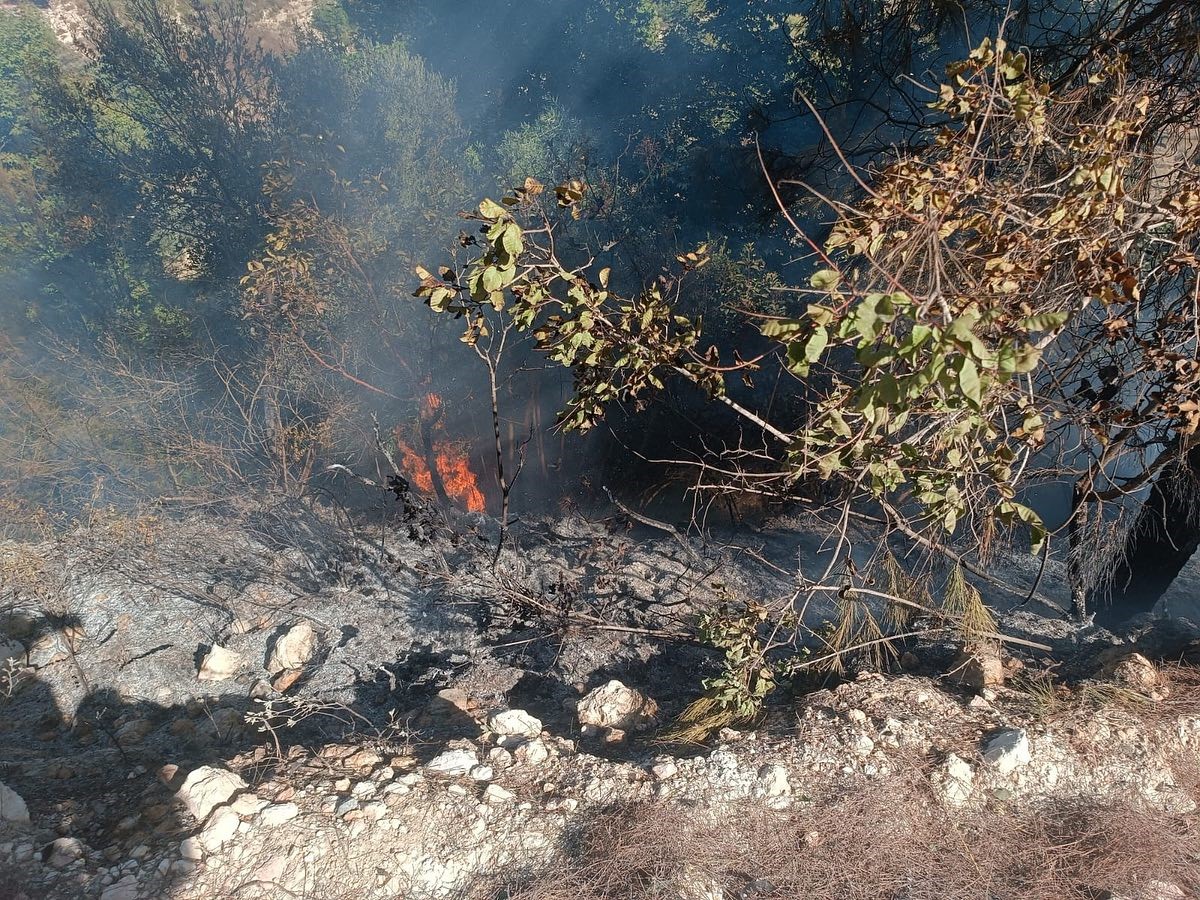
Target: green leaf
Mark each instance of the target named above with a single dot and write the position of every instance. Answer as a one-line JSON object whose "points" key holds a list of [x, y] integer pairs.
{"points": [[825, 280], [969, 383], [490, 209], [1045, 321]]}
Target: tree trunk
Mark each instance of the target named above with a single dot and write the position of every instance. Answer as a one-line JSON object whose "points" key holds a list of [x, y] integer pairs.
{"points": [[1164, 536]]}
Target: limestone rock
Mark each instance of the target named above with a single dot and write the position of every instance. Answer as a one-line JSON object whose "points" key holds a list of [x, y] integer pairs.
{"points": [[1008, 750], [12, 807], [979, 667], [219, 830], [954, 784], [774, 781], [125, 889], [208, 787], [618, 707], [220, 664], [1135, 672], [453, 762], [277, 814], [64, 851], [515, 723], [293, 650]]}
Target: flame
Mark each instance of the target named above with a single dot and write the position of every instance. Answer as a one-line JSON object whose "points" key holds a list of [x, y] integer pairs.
{"points": [[452, 463]]}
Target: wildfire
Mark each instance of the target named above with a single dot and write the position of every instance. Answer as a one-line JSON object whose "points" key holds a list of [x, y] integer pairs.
{"points": [[449, 458]]}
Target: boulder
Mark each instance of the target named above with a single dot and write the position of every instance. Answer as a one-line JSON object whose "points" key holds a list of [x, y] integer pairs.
{"points": [[979, 666], [12, 807], [1007, 750], [219, 830], [219, 664], [1135, 672], [208, 787], [64, 851], [617, 707], [453, 762], [954, 783], [293, 650], [515, 723]]}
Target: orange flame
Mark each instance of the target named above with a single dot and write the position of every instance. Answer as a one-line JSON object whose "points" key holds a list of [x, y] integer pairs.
{"points": [[452, 464]]}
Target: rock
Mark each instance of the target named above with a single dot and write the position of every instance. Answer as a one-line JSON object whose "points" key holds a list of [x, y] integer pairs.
{"points": [[64, 851], [1135, 672], [954, 784], [285, 680], [482, 773], [293, 650], [248, 805], [774, 781], [453, 762], [12, 807], [497, 794], [1008, 750], [220, 829], [220, 664], [533, 753], [190, 849], [208, 787], [515, 723], [133, 732], [364, 762], [618, 707], [664, 769], [277, 814], [979, 667], [125, 889]]}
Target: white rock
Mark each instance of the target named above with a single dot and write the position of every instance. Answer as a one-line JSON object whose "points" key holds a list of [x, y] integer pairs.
{"points": [[775, 781], [294, 649], [515, 723], [497, 794], [219, 830], [1008, 750], [190, 849], [125, 889], [955, 783], [453, 762], [664, 769], [277, 814], [12, 807], [533, 753], [219, 664], [483, 773], [207, 788], [64, 851], [616, 706]]}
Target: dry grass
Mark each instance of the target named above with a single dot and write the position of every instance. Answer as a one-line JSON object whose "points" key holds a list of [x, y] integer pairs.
{"points": [[874, 846]]}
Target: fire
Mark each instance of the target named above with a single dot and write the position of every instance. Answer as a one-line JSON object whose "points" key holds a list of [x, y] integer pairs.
{"points": [[453, 466]]}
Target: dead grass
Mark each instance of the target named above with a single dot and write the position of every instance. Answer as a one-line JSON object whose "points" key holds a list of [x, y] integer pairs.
{"points": [[874, 846]]}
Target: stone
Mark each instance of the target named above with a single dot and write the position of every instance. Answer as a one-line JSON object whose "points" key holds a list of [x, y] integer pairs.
{"points": [[1135, 672], [134, 732], [954, 783], [208, 787], [774, 781], [482, 773], [533, 753], [64, 851], [12, 807], [978, 667], [125, 889], [219, 830], [285, 680], [293, 650], [277, 814], [1008, 750], [219, 664], [363, 761], [616, 706], [515, 723], [664, 769], [453, 762], [191, 849], [248, 804], [497, 794]]}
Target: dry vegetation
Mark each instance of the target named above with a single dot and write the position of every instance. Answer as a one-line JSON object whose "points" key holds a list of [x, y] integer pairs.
{"points": [[876, 845]]}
